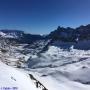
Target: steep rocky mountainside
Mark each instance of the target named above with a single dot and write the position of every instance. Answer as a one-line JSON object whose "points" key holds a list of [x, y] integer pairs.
{"points": [[71, 34]]}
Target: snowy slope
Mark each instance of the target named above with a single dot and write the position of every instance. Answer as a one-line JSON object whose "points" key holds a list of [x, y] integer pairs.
{"points": [[54, 67], [60, 69], [54, 79], [8, 35], [2, 34], [12, 78]]}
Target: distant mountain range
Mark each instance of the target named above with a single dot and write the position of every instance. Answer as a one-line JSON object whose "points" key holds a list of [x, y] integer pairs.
{"points": [[68, 36], [61, 33], [19, 36]]}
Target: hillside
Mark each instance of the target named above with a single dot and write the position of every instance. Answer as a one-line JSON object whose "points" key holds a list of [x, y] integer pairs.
{"points": [[12, 79], [57, 61]]}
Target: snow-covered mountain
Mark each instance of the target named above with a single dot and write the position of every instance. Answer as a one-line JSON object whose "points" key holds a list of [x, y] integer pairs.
{"points": [[11, 33], [62, 69], [12, 79], [60, 60], [19, 36]]}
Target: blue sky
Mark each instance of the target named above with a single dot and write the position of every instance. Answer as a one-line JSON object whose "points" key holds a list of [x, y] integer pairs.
{"points": [[43, 16]]}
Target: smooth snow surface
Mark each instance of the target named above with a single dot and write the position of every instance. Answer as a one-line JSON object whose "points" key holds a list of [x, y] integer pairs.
{"points": [[10, 77]]}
